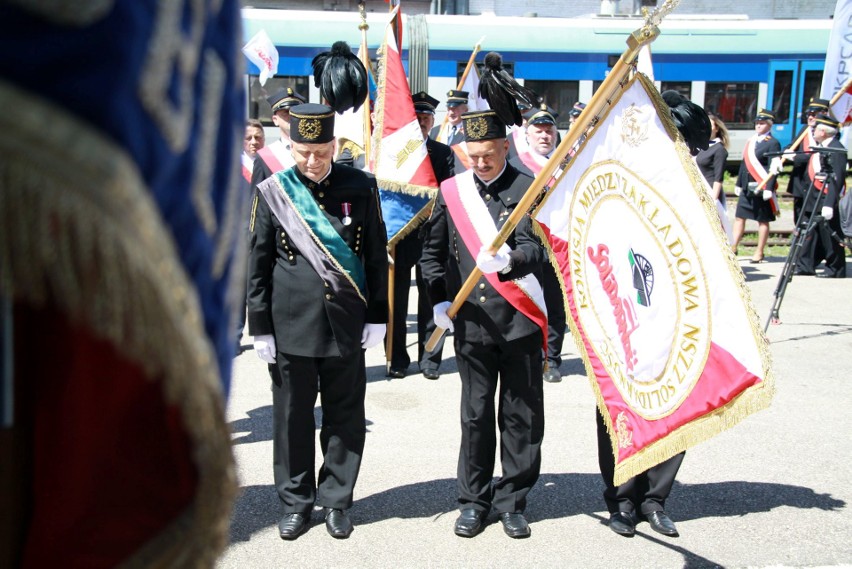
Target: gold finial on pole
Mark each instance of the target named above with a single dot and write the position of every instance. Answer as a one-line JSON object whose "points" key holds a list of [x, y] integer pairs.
{"points": [[362, 11]]}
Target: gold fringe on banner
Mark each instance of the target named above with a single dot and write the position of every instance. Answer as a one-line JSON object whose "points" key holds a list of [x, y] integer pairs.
{"points": [[413, 224], [79, 230]]}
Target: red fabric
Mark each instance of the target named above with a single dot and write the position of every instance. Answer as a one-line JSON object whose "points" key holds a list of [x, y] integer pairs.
{"points": [[722, 380], [112, 464]]}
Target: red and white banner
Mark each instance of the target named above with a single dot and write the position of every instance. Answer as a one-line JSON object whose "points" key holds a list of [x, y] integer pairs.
{"points": [[838, 63], [657, 302], [262, 52]]}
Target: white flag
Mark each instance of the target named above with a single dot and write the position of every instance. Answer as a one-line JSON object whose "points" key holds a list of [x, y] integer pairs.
{"points": [[261, 51], [643, 62], [838, 62], [471, 85]]}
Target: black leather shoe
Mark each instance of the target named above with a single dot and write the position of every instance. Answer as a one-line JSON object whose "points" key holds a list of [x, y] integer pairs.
{"points": [[469, 523], [830, 276], [515, 525], [622, 523], [337, 523], [431, 374], [291, 526], [396, 372], [552, 375], [662, 523], [799, 273]]}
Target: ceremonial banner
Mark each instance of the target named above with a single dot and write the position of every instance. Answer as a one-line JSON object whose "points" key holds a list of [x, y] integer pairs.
{"points": [[261, 51], [121, 253], [400, 161], [838, 63], [658, 306]]}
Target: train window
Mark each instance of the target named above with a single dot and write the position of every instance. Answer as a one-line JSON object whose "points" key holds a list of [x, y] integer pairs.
{"points": [[682, 87], [734, 103], [813, 83], [258, 107], [781, 95], [561, 95]]}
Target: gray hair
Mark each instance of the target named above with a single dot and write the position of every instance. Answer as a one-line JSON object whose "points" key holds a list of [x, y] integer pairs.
{"points": [[828, 130]]}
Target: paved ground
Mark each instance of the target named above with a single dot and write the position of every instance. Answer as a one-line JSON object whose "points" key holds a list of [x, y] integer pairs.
{"points": [[775, 491]]}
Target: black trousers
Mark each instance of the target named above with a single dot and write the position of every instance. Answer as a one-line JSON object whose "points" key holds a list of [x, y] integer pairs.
{"points": [[554, 301], [407, 254], [819, 245], [341, 383], [516, 368], [646, 492]]}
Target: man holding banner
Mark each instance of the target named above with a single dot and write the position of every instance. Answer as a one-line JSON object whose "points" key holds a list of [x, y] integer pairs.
{"points": [[499, 331]]}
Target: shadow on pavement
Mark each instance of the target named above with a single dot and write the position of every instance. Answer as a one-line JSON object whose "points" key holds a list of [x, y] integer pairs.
{"points": [[555, 496], [258, 425], [753, 273]]}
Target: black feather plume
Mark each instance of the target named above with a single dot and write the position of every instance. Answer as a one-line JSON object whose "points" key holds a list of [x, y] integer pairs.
{"points": [[691, 120], [502, 91], [340, 77]]}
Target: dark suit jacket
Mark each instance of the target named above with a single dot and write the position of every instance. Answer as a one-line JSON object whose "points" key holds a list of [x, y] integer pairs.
{"points": [[835, 180], [486, 317], [799, 180], [459, 136], [287, 298], [768, 145]]}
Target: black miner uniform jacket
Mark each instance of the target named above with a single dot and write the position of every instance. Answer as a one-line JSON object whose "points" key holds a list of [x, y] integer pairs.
{"points": [[486, 317], [834, 182], [799, 179], [287, 298]]}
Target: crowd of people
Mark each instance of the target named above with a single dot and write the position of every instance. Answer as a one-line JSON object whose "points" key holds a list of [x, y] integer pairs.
{"points": [[318, 296]]}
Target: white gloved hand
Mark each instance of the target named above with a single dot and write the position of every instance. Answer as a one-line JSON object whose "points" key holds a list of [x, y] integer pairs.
{"points": [[439, 315], [264, 347], [827, 212], [767, 195], [373, 335], [775, 166], [488, 263], [789, 155], [737, 191]]}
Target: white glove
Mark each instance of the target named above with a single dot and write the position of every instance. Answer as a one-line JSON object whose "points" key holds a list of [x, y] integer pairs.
{"points": [[789, 155], [767, 195], [372, 335], [775, 166], [264, 347], [488, 263], [827, 212], [439, 315], [737, 191]]}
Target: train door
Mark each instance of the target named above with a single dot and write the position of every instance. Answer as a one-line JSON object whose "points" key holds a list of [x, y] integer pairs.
{"points": [[792, 84]]}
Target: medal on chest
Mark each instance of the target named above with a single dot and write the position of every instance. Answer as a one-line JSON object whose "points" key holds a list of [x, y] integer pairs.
{"points": [[347, 209]]}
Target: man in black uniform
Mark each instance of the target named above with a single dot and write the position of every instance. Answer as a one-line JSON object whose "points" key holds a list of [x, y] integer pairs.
{"points": [[799, 180], [819, 244], [541, 137], [407, 253], [312, 311], [495, 342], [453, 131], [277, 155]]}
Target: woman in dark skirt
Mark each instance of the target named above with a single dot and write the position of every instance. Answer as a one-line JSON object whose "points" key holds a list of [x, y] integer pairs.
{"points": [[753, 203]]}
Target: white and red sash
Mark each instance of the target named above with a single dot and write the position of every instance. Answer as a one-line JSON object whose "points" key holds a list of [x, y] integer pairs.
{"points": [[248, 166], [532, 160], [460, 150], [758, 172], [476, 228], [519, 137], [277, 156]]}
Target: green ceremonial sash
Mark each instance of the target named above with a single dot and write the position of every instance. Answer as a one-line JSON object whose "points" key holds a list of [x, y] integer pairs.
{"points": [[313, 234]]}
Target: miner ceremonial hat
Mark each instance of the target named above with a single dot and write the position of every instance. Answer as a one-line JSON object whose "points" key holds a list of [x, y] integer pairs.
{"points": [[423, 103], [541, 115], [311, 123], [456, 98], [483, 125], [284, 99], [827, 120], [577, 109], [765, 115]]}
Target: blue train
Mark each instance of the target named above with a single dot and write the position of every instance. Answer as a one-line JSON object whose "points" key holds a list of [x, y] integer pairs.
{"points": [[731, 66]]}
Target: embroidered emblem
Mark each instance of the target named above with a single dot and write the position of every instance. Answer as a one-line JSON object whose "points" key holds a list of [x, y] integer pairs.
{"points": [[623, 431], [310, 129], [476, 128], [634, 126]]}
